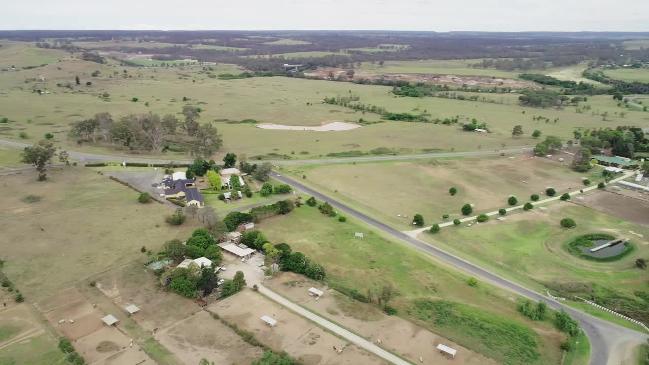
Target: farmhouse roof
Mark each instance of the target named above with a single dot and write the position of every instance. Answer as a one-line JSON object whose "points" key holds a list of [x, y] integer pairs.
{"points": [[185, 264], [622, 161], [179, 175], [203, 262]]}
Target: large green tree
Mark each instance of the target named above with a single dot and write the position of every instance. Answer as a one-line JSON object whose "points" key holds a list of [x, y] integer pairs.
{"points": [[40, 155]]}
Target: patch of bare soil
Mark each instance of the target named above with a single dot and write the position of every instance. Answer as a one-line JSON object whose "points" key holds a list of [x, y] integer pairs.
{"points": [[390, 332], [293, 334], [201, 336], [619, 205]]}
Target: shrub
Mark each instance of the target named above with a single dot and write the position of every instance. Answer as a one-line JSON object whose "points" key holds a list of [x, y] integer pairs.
{"points": [[482, 218], [234, 219], [565, 196], [282, 189], [586, 182], [512, 200], [434, 228], [134, 99], [144, 198], [550, 192], [452, 191], [418, 220], [177, 218], [472, 282], [19, 298], [390, 311], [534, 312], [311, 202], [342, 219], [65, 346], [568, 223], [456, 222], [23, 135], [565, 323], [445, 216], [49, 135], [467, 209], [528, 206], [534, 197], [266, 189], [601, 185], [641, 263], [502, 211], [326, 209]]}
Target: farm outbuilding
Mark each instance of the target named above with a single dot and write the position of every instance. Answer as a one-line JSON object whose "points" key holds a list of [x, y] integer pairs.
{"points": [[241, 251], [203, 262], [451, 352], [269, 320], [315, 292], [132, 309], [110, 320]]}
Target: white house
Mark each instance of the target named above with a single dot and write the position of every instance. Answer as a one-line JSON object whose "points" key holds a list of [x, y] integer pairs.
{"points": [[203, 262], [179, 175]]}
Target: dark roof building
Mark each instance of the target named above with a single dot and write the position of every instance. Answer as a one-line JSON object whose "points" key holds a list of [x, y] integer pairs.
{"points": [[185, 189]]}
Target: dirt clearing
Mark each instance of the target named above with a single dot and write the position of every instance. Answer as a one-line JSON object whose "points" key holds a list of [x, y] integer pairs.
{"points": [[297, 336], [618, 205], [390, 332], [201, 336]]}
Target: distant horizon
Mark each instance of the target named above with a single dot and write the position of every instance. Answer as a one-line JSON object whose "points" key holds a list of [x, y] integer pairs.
{"points": [[277, 15]]}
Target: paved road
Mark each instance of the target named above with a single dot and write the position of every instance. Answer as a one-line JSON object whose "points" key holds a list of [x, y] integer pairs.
{"points": [[416, 232], [86, 157], [607, 339], [340, 331]]}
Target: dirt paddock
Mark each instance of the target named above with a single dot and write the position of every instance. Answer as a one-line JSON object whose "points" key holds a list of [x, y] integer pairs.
{"points": [[201, 336], [299, 337], [620, 204], [395, 334]]}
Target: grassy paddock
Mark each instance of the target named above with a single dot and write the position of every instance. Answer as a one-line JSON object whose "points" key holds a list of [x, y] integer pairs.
{"points": [[390, 189]]}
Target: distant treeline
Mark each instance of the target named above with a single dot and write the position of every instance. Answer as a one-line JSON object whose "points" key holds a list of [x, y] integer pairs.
{"points": [[569, 87], [505, 51], [618, 86]]}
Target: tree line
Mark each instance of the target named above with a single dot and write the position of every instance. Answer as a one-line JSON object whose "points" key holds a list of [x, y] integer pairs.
{"points": [[150, 132]]}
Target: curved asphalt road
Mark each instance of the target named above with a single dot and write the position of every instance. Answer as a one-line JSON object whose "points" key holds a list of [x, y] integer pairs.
{"points": [[606, 339]]}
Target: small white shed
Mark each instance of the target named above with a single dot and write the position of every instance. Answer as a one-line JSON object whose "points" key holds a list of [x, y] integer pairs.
{"points": [[132, 309], [110, 320], [269, 320], [315, 292], [447, 350], [359, 235], [203, 262]]}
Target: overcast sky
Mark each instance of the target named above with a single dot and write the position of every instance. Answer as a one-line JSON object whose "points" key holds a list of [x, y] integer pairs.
{"points": [[435, 15]]}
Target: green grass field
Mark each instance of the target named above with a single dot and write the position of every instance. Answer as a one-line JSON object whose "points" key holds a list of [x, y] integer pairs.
{"points": [[395, 191], [529, 248], [66, 243], [369, 263], [629, 74], [27, 55], [277, 100], [39, 350]]}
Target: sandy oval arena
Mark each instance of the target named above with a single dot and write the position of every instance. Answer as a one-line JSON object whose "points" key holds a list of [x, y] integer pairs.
{"points": [[329, 127]]}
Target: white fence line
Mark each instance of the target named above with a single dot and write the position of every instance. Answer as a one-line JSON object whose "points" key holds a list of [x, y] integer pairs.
{"points": [[615, 313]]}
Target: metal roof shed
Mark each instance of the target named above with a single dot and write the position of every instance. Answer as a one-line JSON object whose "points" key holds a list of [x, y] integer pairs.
{"points": [[447, 350], [132, 309], [315, 292], [110, 320], [269, 320]]}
